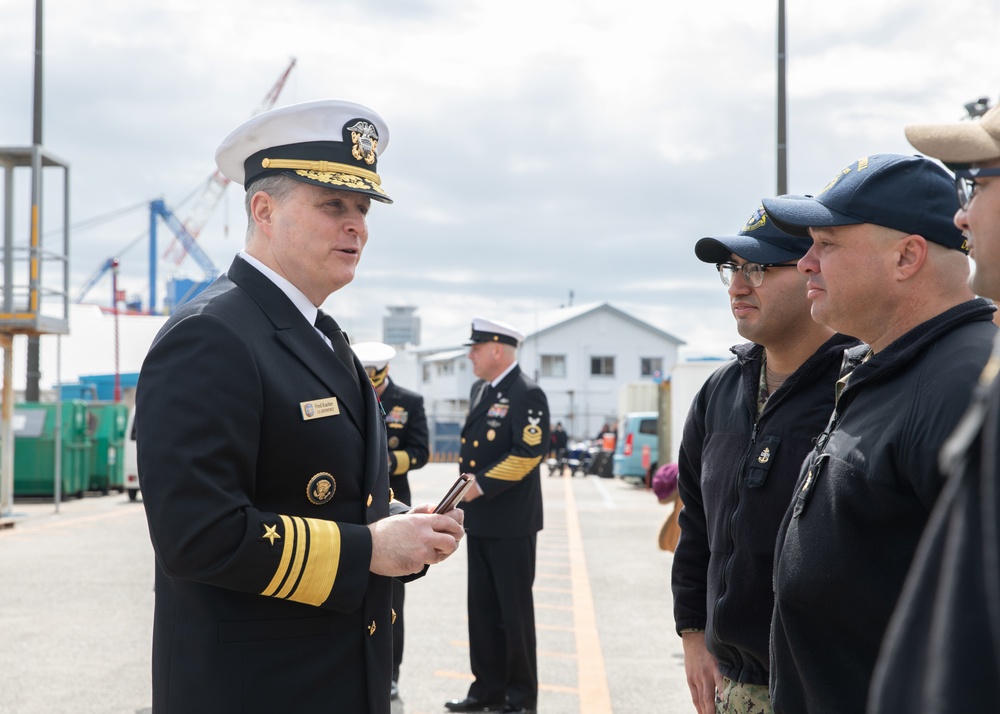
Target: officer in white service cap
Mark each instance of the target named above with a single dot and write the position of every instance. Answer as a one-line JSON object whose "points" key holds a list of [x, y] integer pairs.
{"points": [[505, 438], [406, 428], [484, 330], [275, 557]]}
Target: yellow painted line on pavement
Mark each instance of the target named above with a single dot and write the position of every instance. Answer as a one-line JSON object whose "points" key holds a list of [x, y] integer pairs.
{"points": [[553, 628], [540, 589], [591, 676], [546, 606]]}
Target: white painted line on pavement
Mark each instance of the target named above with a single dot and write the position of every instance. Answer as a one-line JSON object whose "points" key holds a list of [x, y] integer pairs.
{"points": [[609, 501]]}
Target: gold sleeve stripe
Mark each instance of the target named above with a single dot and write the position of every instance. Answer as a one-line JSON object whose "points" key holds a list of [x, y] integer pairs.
{"points": [[513, 468], [402, 463], [286, 557], [321, 564], [298, 558]]}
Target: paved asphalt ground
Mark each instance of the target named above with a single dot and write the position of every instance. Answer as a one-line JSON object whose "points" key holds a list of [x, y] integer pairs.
{"points": [[76, 605]]}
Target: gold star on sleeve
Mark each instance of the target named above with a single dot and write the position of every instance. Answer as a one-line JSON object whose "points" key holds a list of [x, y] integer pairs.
{"points": [[270, 533]]}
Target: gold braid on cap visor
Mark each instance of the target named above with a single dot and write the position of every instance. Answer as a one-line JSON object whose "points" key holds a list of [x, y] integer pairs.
{"points": [[377, 376], [326, 167]]}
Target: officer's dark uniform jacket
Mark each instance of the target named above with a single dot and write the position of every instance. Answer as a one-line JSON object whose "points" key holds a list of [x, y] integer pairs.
{"points": [[941, 651], [259, 489], [504, 439], [860, 506], [736, 475], [406, 429]]}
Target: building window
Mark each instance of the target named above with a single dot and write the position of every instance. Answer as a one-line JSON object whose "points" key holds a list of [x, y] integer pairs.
{"points": [[554, 366], [602, 366], [445, 369], [651, 365]]}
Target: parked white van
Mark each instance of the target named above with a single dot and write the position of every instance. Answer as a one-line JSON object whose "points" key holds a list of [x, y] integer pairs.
{"points": [[130, 459]]}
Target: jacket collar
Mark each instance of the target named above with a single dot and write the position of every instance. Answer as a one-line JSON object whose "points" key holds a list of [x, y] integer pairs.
{"points": [[910, 345], [302, 340]]}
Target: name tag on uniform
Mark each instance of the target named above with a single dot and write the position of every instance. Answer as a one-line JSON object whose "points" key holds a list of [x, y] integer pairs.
{"points": [[319, 408]]}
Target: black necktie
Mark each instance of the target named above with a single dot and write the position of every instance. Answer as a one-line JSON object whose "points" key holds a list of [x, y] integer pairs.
{"points": [[329, 327], [480, 394]]}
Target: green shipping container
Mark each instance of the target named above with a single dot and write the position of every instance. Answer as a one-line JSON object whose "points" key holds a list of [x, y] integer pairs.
{"points": [[106, 427], [35, 449]]}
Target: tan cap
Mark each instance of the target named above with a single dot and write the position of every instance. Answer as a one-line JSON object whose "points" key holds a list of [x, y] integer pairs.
{"points": [[967, 142]]}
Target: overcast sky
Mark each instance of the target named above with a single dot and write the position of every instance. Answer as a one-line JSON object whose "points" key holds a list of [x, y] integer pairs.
{"points": [[538, 148]]}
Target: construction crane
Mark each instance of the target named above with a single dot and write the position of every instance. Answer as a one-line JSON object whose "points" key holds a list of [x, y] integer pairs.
{"points": [[185, 232], [212, 191], [93, 279], [158, 209]]}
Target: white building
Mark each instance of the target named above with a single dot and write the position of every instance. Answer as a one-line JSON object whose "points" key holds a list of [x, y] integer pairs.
{"points": [[580, 356]]}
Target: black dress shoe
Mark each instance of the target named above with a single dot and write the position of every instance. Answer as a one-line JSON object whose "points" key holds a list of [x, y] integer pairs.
{"points": [[471, 704], [517, 709]]}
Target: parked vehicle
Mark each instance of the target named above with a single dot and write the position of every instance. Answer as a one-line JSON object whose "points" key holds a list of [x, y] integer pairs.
{"points": [[636, 432], [129, 458], [577, 459]]}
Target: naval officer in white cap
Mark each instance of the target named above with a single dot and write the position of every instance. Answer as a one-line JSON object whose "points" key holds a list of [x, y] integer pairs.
{"points": [[505, 438], [262, 447], [406, 426]]}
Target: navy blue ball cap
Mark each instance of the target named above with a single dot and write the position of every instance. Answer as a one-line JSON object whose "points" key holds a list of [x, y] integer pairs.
{"points": [[758, 242], [906, 193]]}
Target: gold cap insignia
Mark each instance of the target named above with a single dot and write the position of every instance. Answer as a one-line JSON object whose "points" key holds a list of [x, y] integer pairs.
{"points": [[364, 140], [321, 488]]}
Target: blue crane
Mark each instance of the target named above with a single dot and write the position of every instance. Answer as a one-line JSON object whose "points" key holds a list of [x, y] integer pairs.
{"points": [[158, 209], [92, 280]]}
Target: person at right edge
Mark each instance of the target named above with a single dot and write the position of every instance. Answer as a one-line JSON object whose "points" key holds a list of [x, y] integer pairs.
{"points": [[505, 438], [942, 651], [887, 265], [744, 440]]}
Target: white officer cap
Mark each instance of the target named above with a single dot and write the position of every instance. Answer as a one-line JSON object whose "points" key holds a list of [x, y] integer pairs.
{"points": [[374, 354], [330, 143], [484, 330], [375, 357]]}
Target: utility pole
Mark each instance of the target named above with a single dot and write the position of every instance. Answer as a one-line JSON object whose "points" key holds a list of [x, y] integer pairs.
{"points": [[33, 375], [782, 144]]}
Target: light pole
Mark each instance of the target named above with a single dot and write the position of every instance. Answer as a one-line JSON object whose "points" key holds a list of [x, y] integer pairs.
{"points": [[782, 145], [114, 308]]}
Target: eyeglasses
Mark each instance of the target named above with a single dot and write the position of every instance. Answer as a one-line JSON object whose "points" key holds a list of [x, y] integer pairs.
{"points": [[965, 184], [753, 273]]}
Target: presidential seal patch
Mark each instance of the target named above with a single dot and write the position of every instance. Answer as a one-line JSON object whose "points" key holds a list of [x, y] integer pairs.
{"points": [[321, 488]]}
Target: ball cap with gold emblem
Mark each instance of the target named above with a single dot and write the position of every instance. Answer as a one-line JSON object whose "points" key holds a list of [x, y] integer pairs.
{"points": [[330, 143], [375, 357], [484, 330]]}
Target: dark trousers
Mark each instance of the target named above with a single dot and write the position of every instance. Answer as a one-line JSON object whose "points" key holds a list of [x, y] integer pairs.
{"points": [[502, 620], [398, 596]]}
